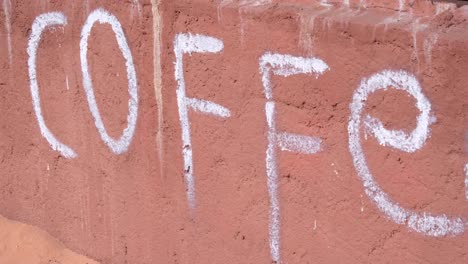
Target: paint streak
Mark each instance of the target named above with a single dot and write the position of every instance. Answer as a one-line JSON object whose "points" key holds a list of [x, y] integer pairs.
{"points": [[7, 12], [157, 81], [416, 27], [188, 43], [243, 7], [307, 27], [428, 45], [401, 5], [432, 225], [39, 25], [283, 65], [136, 5], [103, 17], [66, 82]]}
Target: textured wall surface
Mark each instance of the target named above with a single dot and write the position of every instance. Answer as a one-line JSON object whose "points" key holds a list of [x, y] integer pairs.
{"points": [[233, 131]]}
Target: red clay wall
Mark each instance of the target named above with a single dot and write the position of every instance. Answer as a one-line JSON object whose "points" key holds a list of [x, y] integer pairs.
{"points": [[349, 190]]}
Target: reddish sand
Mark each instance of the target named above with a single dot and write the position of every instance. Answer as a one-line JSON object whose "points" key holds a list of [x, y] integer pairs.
{"points": [[22, 243]]}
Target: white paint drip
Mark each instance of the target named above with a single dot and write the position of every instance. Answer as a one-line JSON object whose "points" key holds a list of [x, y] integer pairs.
{"points": [[66, 81], [305, 36], [386, 22], [283, 65], [428, 45], [432, 225], [7, 12], [346, 3], [401, 5], [315, 224], [87, 6], [136, 5], [220, 7], [241, 4], [416, 27], [362, 3], [242, 26], [466, 181], [39, 25], [307, 27], [188, 43], [103, 17], [157, 81]]}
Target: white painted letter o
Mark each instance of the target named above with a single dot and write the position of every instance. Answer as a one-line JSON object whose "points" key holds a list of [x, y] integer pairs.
{"points": [[102, 16]]}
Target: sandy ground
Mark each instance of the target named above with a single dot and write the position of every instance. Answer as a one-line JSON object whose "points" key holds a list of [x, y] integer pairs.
{"points": [[23, 243]]}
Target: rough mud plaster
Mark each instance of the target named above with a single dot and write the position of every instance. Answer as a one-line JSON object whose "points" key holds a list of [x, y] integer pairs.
{"points": [[132, 207], [107, 201]]}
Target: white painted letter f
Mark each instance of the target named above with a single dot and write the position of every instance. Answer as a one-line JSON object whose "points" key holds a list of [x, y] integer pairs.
{"points": [[283, 65], [188, 43]]}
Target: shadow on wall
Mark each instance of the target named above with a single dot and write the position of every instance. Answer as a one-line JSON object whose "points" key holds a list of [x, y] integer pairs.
{"points": [[23, 243]]}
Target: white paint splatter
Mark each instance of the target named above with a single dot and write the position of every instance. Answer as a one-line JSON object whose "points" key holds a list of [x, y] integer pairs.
{"points": [[442, 7], [283, 65], [188, 43], [315, 224], [103, 17], [207, 107], [7, 12], [298, 143], [432, 225], [325, 3], [39, 25]]}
